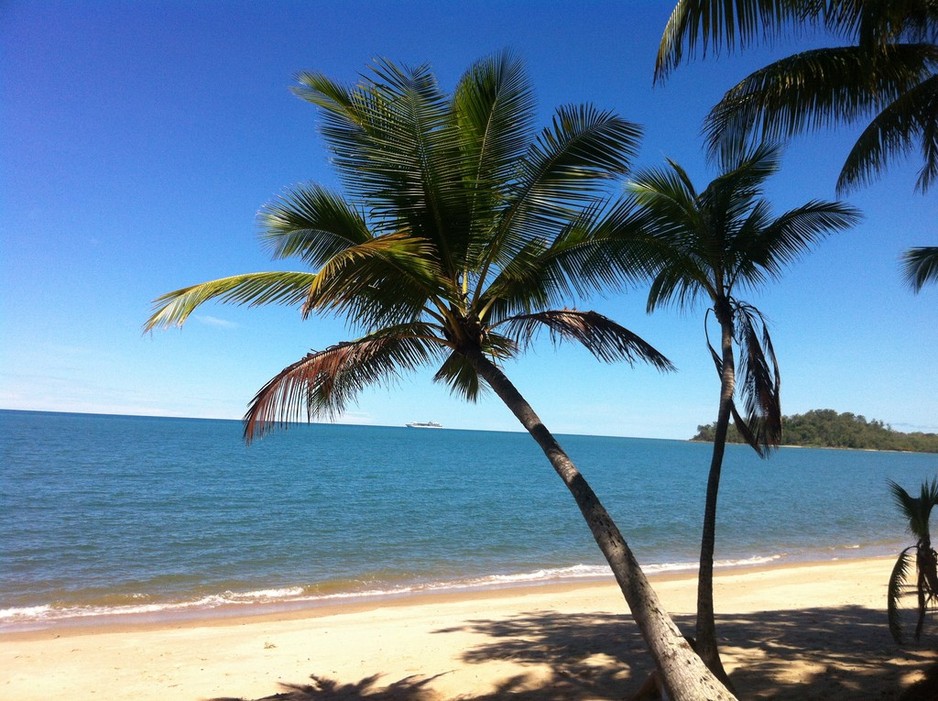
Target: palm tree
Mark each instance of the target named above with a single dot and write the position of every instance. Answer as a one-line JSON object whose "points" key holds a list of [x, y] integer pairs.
{"points": [[887, 71], [707, 245], [920, 265], [462, 234], [921, 556]]}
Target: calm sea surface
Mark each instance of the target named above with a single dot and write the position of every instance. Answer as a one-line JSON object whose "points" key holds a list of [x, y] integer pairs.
{"points": [[117, 514]]}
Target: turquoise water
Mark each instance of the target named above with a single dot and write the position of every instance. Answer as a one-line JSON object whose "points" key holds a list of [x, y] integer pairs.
{"points": [[149, 515]]}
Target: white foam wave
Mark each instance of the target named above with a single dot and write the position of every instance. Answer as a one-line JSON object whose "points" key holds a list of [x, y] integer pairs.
{"points": [[24, 612], [49, 613], [299, 595]]}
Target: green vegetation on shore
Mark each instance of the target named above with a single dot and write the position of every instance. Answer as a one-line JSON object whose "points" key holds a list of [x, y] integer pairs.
{"points": [[825, 428]]}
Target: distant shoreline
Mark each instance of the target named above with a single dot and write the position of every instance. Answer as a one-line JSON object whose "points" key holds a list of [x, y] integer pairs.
{"points": [[834, 447]]}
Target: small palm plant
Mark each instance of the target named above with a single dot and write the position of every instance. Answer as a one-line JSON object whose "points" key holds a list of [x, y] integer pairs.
{"points": [[921, 556]]}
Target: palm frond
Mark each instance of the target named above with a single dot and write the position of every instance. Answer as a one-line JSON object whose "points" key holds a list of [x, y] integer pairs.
{"points": [[916, 510], [812, 90], [782, 240], [920, 266], [897, 587], [382, 281], [714, 354], [390, 138], [493, 106], [892, 134], [605, 339], [600, 248], [323, 383], [563, 170], [749, 433], [760, 380], [313, 224], [676, 248], [717, 25], [253, 289], [744, 170]]}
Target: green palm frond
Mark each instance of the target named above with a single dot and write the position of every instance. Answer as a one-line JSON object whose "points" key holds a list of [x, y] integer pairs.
{"points": [[676, 246], [717, 25], [458, 374], [813, 90], [795, 233], [253, 289], [911, 117], [323, 383], [392, 143], [565, 169], [313, 224], [681, 282], [920, 266], [597, 250], [493, 105], [743, 172], [876, 25], [885, 72], [382, 281], [898, 586], [605, 339], [916, 510], [727, 233]]}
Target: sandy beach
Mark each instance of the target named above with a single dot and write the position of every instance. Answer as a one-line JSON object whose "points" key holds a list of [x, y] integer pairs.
{"points": [[812, 631]]}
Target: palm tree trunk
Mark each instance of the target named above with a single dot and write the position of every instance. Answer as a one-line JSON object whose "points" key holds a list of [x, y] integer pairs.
{"points": [[705, 633], [683, 673]]}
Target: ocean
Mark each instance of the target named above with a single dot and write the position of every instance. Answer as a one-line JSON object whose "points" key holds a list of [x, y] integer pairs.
{"points": [[162, 517]]}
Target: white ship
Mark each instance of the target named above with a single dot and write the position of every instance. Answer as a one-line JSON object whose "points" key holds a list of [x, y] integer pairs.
{"points": [[424, 424]]}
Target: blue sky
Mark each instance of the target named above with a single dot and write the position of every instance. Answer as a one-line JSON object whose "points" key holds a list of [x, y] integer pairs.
{"points": [[139, 139]]}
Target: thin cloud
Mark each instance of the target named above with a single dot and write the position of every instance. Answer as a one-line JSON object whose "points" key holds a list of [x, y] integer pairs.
{"points": [[216, 322]]}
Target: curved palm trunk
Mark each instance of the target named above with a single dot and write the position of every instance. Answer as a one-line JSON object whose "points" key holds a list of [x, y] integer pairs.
{"points": [[706, 635], [684, 675]]}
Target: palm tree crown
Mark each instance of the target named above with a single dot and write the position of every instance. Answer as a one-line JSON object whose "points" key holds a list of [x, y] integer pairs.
{"points": [[886, 71], [710, 244], [463, 228]]}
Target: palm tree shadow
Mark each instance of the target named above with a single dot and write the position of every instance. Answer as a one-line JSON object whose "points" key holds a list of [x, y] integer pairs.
{"points": [[820, 653], [810, 654], [411, 688]]}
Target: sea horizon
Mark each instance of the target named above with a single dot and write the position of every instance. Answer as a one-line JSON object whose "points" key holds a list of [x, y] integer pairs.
{"points": [[111, 515]]}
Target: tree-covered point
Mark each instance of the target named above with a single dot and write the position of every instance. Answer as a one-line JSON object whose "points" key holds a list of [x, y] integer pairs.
{"points": [[825, 428]]}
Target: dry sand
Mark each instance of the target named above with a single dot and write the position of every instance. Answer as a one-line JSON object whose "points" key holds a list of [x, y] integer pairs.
{"points": [[796, 632]]}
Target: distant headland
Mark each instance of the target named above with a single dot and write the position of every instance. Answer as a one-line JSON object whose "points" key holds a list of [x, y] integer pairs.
{"points": [[825, 428]]}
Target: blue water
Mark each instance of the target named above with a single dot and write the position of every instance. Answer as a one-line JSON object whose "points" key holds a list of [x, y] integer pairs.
{"points": [[135, 514]]}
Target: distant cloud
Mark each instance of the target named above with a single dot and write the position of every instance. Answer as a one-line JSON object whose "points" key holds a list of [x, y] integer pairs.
{"points": [[216, 322]]}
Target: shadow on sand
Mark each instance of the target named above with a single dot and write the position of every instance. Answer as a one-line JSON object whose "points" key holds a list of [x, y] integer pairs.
{"points": [[810, 654]]}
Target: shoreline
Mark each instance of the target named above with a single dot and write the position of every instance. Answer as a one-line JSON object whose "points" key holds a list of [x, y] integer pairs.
{"points": [[196, 613], [786, 628]]}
